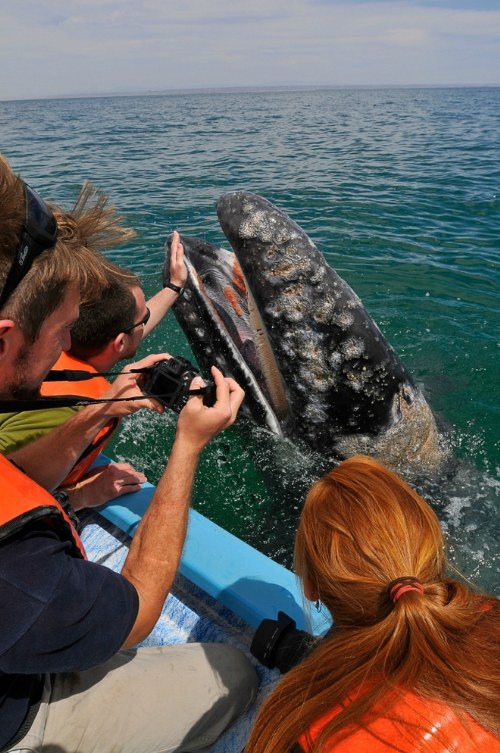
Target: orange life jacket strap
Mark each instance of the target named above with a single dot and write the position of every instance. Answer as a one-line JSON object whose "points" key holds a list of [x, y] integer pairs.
{"points": [[22, 501]]}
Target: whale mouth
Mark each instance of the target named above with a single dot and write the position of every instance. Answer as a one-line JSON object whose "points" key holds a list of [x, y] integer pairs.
{"points": [[224, 323], [275, 316]]}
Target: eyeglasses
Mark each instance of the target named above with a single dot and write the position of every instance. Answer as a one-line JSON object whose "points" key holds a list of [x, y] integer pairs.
{"points": [[39, 233], [143, 321]]}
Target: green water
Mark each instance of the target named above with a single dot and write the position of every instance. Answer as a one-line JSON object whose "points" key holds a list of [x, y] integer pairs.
{"points": [[398, 188]]}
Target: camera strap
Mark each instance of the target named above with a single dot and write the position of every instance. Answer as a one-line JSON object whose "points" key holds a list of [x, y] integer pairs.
{"points": [[74, 401], [74, 375], [59, 401]]}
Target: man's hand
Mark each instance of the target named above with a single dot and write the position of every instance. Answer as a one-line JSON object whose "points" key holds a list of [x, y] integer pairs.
{"points": [[126, 385], [178, 269], [162, 302], [104, 484], [198, 423]]}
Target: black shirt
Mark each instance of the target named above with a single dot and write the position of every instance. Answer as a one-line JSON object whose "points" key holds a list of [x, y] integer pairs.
{"points": [[58, 614]]}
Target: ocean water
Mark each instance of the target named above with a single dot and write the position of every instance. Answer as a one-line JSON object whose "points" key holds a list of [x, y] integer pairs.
{"points": [[399, 188]]}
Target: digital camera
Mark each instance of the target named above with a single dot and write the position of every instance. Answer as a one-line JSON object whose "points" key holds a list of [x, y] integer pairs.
{"points": [[169, 382]]}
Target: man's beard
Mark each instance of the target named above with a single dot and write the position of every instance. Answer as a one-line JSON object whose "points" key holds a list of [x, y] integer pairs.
{"points": [[22, 389], [130, 353]]}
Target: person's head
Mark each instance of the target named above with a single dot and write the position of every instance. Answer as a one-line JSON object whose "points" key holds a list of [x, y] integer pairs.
{"points": [[49, 260], [361, 528], [114, 322]]}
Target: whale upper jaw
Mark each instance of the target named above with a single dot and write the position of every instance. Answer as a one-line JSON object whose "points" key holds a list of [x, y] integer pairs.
{"points": [[314, 365]]}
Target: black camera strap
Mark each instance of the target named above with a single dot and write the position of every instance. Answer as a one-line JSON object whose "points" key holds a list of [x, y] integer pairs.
{"points": [[74, 375], [59, 401], [75, 401]]}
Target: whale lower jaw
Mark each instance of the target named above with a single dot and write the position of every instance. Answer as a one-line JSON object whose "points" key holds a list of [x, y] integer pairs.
{"points": [[213, 344]]}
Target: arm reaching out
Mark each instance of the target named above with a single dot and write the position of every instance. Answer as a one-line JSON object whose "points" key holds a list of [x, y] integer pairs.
{"points": [[156, 548], [49, 459]]}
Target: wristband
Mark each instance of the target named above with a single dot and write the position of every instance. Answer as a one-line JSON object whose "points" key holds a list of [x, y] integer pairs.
{"points": [[175, 288]]}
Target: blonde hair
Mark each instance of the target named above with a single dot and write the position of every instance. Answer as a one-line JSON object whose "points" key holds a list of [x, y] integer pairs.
{"points": [[76, 259], [361, 528]]}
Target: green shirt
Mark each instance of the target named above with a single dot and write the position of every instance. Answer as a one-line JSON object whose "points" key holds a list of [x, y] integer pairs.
{"points": [[19, 429]]}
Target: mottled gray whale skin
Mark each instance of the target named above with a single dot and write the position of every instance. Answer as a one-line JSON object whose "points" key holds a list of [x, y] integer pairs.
{"points": [[326, 372]]}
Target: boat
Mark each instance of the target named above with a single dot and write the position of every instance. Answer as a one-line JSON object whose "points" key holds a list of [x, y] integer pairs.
{"points": [[223, 590]]}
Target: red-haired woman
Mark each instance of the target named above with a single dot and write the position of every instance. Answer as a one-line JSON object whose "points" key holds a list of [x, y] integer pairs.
{"points": [[413, 663]]}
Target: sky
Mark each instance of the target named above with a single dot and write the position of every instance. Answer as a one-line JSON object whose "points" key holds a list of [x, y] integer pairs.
{"points": [[51, 48]]}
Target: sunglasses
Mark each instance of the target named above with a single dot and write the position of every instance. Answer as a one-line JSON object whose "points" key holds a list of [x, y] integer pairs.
{"points": [[143, 321], [39, 234]]}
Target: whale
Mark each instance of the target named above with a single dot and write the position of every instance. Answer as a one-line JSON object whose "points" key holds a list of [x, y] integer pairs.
{"points": [[316, 369]]}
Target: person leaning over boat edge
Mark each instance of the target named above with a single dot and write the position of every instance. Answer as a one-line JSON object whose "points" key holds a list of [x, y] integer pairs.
{"points": [[65, 621], [107, 331], [412, 662]]}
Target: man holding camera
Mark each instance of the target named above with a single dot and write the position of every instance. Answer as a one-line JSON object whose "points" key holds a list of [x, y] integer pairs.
{"points": [[107, 331], [67, 680]]}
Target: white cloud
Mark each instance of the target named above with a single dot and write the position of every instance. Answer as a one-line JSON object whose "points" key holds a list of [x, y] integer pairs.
{"points": [[85, 46]]}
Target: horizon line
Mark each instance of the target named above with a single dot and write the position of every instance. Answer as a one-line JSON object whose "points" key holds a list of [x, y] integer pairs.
{"points": [[241, 89]]}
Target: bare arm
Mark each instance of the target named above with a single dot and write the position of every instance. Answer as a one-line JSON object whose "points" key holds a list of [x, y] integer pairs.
{"points": [[49, 459], [156, 548], [163, 301]]}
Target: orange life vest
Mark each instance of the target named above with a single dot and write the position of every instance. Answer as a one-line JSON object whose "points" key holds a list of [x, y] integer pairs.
{"points": [[88, 388], [23, 501], [430, 726]]}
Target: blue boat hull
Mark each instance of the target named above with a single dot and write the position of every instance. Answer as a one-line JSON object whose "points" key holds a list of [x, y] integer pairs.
{"points": [[223, 590]]}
